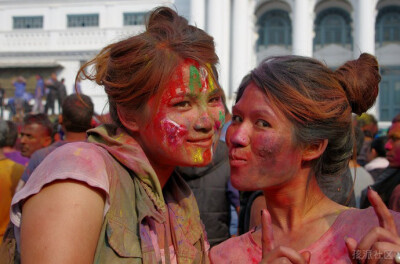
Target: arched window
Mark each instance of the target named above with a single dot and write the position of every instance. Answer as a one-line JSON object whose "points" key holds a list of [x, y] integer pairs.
{"points": [[274, 29], [332, 26], [388, 25]]}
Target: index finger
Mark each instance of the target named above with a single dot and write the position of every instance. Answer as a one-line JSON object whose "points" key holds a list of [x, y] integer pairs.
{"points": [[267, 235], [382, 212]]}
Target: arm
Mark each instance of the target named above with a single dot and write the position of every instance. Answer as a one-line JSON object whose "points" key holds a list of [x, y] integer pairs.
{"points": [[62, 223]]}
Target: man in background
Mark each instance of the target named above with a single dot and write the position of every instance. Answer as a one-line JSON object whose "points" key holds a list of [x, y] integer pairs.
{"points": [[10, 173], [77, 112], [10, 149], [36, 133]]}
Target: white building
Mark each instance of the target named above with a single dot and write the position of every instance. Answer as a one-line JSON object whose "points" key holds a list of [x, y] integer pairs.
{"points": [[46, 35]]}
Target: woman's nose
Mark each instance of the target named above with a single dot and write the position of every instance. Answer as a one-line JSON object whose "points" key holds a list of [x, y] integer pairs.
{"points": [[238, 136], [203, 123]]}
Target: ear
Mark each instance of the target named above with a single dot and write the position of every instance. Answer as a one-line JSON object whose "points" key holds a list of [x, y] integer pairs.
{"points": [[315, 150], [128, 120], [47, 141]]}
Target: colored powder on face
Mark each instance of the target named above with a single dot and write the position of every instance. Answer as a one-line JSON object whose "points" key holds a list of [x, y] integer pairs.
{"points": [[173, 131], [207, 154], [222, 117], [197, 157], [210, 79], [77, 152], [217, 125], [194, 79]]}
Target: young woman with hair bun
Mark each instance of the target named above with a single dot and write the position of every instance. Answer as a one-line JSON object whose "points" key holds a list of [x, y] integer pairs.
{"points": [[291, 126], [116, 198]]}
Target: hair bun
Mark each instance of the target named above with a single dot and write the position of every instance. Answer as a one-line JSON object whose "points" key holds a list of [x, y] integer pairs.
{"points": [[360, 80]]}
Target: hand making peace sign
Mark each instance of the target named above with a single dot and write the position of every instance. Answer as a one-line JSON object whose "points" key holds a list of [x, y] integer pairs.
{"points": [[382, 243]]}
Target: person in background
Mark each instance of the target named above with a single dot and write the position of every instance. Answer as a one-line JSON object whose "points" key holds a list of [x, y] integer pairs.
{"points": [[9, 149], [36, 133], [61, 95], [387, 184], [52, 86], [376, 157], [76, 120], [292, 124], [10, 173], [17, 102], [39, 93], [2, 97], [369, 126], [128, 204], [361, 177]]}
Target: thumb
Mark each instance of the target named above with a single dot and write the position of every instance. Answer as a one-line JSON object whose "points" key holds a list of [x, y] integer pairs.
{"points": [[351, 245], [267, 236], [306, 255]]}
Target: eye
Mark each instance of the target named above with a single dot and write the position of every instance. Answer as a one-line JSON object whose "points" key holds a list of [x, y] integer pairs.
{"points": [[262, 123], [215, 99], [183, 104], [393, 138], [236, 119]]}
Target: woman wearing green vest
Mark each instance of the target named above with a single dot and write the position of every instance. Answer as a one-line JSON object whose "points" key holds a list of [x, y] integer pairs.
{"points": [[115, 198]]}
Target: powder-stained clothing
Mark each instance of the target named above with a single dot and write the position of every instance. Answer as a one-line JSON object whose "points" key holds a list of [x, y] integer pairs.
{"points": [[10, 173], [135, 203], [37, 157], [17, 157], [330, 248], [210, 185]]}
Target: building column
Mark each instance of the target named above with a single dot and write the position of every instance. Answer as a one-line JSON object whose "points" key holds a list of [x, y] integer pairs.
{"points": [[198, 13], [364, 35], [218, 26], [364, 27], [242, 47], [302, 25]]}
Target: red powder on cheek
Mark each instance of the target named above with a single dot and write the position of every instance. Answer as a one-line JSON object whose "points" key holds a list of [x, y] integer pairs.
{"points": [[207, 155], [217, 125], [174, 133]]}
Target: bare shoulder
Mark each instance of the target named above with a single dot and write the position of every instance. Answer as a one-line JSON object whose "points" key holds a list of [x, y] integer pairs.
{"points": [[62, 223]]}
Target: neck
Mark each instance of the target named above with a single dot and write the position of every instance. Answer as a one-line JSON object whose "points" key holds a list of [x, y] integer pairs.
{"points": [[8, 149], [292, 203], [163, 172], [75, 136]]}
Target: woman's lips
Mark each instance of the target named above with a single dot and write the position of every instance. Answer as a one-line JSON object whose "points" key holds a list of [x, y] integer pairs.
{"points": [[237, 160], [201, 142]]}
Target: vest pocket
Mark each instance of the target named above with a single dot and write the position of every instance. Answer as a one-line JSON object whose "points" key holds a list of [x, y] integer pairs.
{"points": [[123, 240]]}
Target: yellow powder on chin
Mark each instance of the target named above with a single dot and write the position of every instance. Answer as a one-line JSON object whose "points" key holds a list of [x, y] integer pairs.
{"points": [[198, 157]]}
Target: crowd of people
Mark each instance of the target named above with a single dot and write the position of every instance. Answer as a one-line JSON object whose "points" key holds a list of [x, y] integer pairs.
{"points": [[48, 91], [155, 181]]}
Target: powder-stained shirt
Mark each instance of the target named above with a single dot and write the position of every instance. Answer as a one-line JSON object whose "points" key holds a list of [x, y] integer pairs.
{"points": [[92, 164], [330, 248], [10, 173]]}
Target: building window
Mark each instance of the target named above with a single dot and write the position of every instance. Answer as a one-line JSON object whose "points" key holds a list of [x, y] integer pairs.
{"points": [[28, 22], [332, 26], [274, 29], [88, 20], [389, 93], [132, 19], [388, 25]]}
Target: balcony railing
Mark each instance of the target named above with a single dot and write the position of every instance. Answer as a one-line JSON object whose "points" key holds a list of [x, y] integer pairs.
{"points": [[70, 39]]}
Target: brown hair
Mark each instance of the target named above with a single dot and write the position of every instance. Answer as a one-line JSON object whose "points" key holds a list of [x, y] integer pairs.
{"points": [[134, 69], [319, 101], [77, 113]]}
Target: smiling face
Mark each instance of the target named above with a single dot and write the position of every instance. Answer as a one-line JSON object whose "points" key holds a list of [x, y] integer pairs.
{"points": [[392, 145], [261, 144], [185, 128]]}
